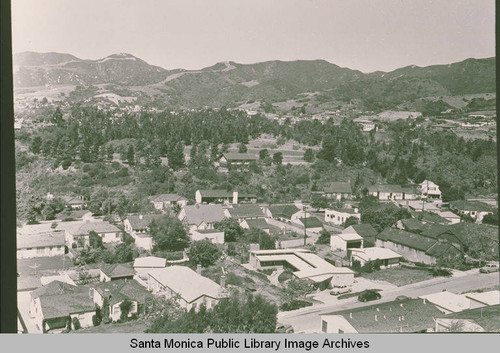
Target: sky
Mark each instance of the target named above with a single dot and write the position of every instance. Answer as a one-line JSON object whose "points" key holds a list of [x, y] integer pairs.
{"points": [[367, 35]]}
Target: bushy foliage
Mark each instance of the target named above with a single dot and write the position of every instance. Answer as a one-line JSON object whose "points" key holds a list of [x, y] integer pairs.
{"points": [[168, 234], [204, 252]]}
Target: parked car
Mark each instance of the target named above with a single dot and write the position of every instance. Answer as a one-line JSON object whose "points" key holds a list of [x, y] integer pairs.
{"points": [[488, 268], [340, 290], [369, 295]]}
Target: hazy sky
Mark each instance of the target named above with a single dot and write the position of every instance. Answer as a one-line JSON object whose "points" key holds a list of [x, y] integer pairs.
{"points": [[367, 35]]}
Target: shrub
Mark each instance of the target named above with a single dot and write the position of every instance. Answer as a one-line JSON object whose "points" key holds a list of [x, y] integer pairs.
{"points": [[294, 305], [267, 271], [436, 272], [204, 252], [76, 323], [285, 276]]}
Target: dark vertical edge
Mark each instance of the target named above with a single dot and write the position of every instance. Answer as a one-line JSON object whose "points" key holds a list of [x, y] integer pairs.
{"points": [[8, 277], [497, 67]]}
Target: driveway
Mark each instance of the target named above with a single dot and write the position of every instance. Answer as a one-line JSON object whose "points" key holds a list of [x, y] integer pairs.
{"points": [[23, 305]]}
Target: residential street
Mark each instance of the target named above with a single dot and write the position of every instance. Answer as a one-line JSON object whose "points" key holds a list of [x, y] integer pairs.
{"points": [[308, 320]]}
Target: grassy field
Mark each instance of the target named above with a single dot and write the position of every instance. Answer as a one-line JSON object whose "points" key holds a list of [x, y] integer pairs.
{"points": [[399, 276]]}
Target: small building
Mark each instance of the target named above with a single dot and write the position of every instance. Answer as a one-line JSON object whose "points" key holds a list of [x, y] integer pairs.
{"points": [[261, 224], [338, 191], [113, 272], [386, 192], [388, 257], [429, 190], [198, 217], [471, 320], [338, 216], [165, 201], [366, 231], [448, 302], [285, 212], [451, 217], [475, 209], [235, 160], [244, 212], [343, 242], [142, 265], [115, 293], [365, 124], [214, 235], [138, 228], [41, 245], [78, 233], [75, 202], [223, 196], [188, 287]]}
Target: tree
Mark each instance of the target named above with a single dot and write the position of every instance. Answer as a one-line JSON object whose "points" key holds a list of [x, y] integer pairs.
{"points": [[131, 155], [175, 154], [204, 252], [309, 155], [95, 240], [231, 228], [278, 158], [260, 237], [168, 234], [263, 154], [242, 148], [351, 221], [125, 308], [76, 323], [57, 117], [36, 144], [124, 253], [319, 201], [324, 237]]}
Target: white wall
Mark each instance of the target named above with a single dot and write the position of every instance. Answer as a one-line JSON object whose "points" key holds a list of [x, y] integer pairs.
{"points": [[40, 252]]}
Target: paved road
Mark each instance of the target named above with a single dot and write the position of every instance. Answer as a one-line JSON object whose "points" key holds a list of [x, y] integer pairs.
{"points": [[307, 319]]}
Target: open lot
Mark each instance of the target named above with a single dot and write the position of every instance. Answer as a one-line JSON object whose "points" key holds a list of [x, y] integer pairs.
{"points": [[136, 326], [43, 265], [399, 276]]}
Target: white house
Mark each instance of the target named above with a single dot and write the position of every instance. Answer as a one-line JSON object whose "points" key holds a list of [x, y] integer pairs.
{"points": [[429, 190], [214, 235], [346, 241], [338, 216], [188, 287], [138, 228], [112, 272], [475, 209], [142, 265], [164, 201], [78, 233], [198, 217], [336, 324], [223, 196], [40, 244], [386, 192], [388, 257]]}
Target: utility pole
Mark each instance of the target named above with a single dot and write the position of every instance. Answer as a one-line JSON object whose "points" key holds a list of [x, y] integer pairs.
{"points": [[305, 224]]}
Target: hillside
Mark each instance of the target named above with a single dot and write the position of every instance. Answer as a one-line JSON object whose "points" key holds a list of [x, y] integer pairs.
{"points": [[231, 84]]}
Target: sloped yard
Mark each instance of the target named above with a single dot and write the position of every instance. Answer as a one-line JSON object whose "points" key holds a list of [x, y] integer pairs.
{"points": [[399, 276]]}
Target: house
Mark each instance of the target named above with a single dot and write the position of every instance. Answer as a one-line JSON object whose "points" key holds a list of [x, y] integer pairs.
{"points": [[410, 192], [365, 124], [338, 191], [75, 215], [431, 230], [366, 231], [338, 216], [386, 192], [58, 305], [285, 212], [482, 299], [165, 201], [451, 217], [214, 235], [223, 196], [188, 287], [234, 160], [310, 223], [473, 320], [304, 264], [142, 265], [475, 209], [403, 316], [198, 217], [346, 241], [244, 212], [112, 272], [415, 247], [115, 293], [41, 245], [388, 257], [259, 223], [138, 228], [78, 232], [75, 203], [448, 302], [429, 190]]}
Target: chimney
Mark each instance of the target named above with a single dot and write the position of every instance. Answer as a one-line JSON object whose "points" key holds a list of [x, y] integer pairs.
{"points": [[198, 269], [235, 197], [376, 319], [141, 216], [223, 281]]}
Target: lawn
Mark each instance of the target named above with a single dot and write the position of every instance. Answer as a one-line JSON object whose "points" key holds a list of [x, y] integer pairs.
{"points": [[137, 326], [399, 276]]}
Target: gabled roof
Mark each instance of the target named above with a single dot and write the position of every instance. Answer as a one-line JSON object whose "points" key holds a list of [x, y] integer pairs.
{"points": [[167, 197], [55, 238], [188, 284], [220, 193], [371, 254], [150, 261], [365, 230], [488, 298], [196, 214], [117, 270], [54, 288], [344, 210], [410, 240], [390, 188], [285, 211], [61, 305], [448, 301], [120, 290], [230, 156], [487, 317], [246, 211], [98, 227], [143, 221], [311, 222], [338, 187], [259, 223], [471, 206]]}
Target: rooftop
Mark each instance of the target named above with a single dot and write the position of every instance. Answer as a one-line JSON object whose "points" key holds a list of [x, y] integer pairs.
{"points": [[142, 221], [411, 240], [286, 210], [98, 227], [386, 188], [150, 261], [448, 301], [240, 156], [54, 238], [196, 214], [311, 222], [122, 290], [471, 206], [365, 230], [245, 211], [487, 317], [117, 270], [187, 283], [61, 305], [338, 187], [488, 298], [371, 254], [408, 315], [167, 197]]}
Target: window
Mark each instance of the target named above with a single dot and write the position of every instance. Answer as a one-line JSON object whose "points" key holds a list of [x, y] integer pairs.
{"points": [[324, 326]]}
